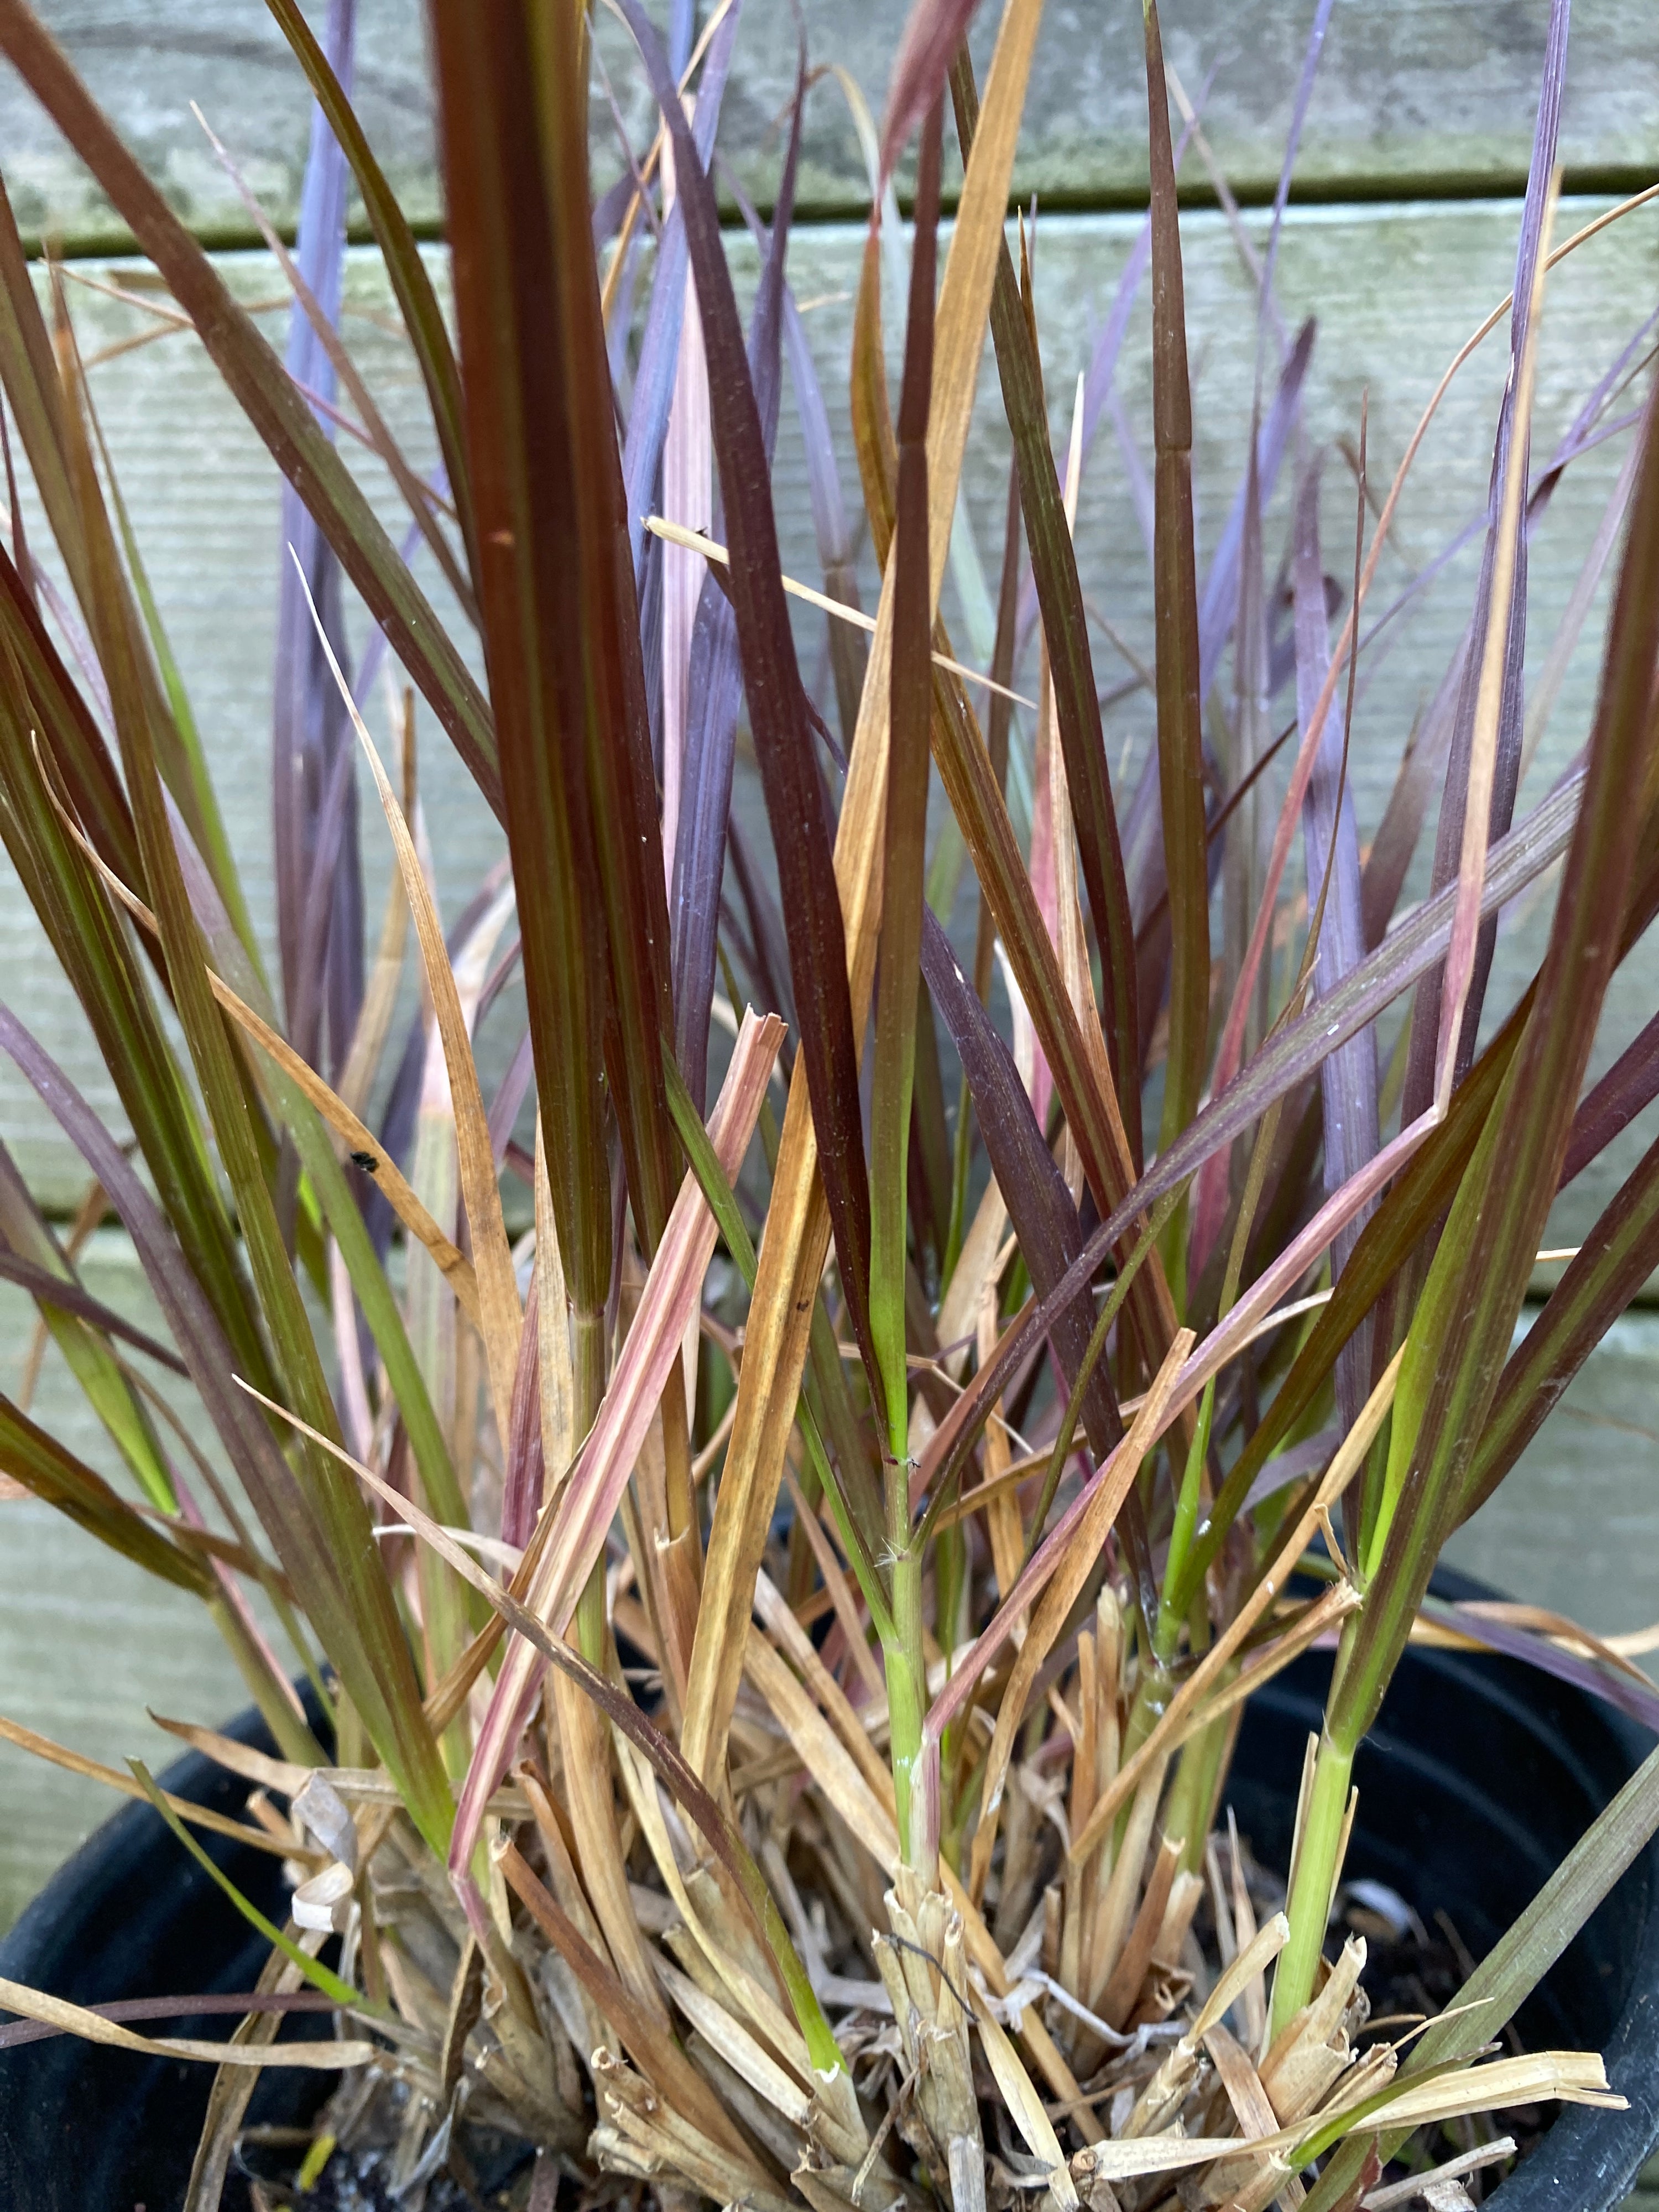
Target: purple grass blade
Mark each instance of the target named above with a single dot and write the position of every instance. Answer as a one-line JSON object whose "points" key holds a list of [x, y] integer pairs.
{"points": [[716, 692], [716, 689], [319, 899], [1449, 840], [681, 27], [1408, 802], [770, 964], [333, 838], [1423, 767], [1219, 600], [201, 2005], [1134, 469], [933, 31], [1331, 838], [1143, 842], [1039, 1204], [659, 341], [1294, 1053], [1072, 688], [1246, 857], [1097, 382], [778, 716], [1620, 1691], [610, 208], [510, 1094], [1292, 142], [1574, 438], [57, 1291], [507, 964], [1180, 747], [1631, 1083], [1616, 1258], [1047, 1222], [1102, 361], [1463, 1324], [836, 555], [1292, 1466]]}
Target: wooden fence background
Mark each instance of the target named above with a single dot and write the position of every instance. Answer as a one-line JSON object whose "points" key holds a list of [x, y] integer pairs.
{"points": [[1400, 238]]}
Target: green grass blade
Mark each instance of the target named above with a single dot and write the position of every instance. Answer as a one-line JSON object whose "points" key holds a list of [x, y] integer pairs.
{"points": [[1461, 1334], [1615, 1260], [321, 1977], [857, 1517], [368, 1643], [43, 1466], [333, 1195], [75, 911], [184, 763], [81, 1333], [1416, 1201]]}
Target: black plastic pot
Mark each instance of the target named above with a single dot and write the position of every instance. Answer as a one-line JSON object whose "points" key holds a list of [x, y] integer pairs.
{"points": [[85, 2129], [1479, 1777]]}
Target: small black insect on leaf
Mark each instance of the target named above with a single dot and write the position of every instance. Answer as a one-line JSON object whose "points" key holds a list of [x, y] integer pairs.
{"points": [[366, 1161]]}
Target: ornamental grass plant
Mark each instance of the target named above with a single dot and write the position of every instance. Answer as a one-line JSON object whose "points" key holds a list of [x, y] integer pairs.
{"points": [[776, 1624]]}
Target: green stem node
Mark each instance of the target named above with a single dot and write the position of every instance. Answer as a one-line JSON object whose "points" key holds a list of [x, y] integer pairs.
{"points": [[1313, 1880]]}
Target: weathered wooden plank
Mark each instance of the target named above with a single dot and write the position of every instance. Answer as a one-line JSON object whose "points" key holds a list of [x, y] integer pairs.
{"points": [[146, 61], [86, 1645], [1413, 96], [1395, 290], [1575, 1525]]}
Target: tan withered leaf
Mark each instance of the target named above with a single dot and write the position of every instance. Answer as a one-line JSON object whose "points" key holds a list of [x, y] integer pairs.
{"points": [[92, 2028]]}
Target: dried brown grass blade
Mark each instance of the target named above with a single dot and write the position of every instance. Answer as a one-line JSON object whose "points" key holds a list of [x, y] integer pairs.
{"points": [[92, 2028], [1080, 1554], [1348, 1459], [646, 2036], [500, 1313], [556, 1371], [576, 1532], [199, 1816], [1024, 2106], [698, 541]]}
